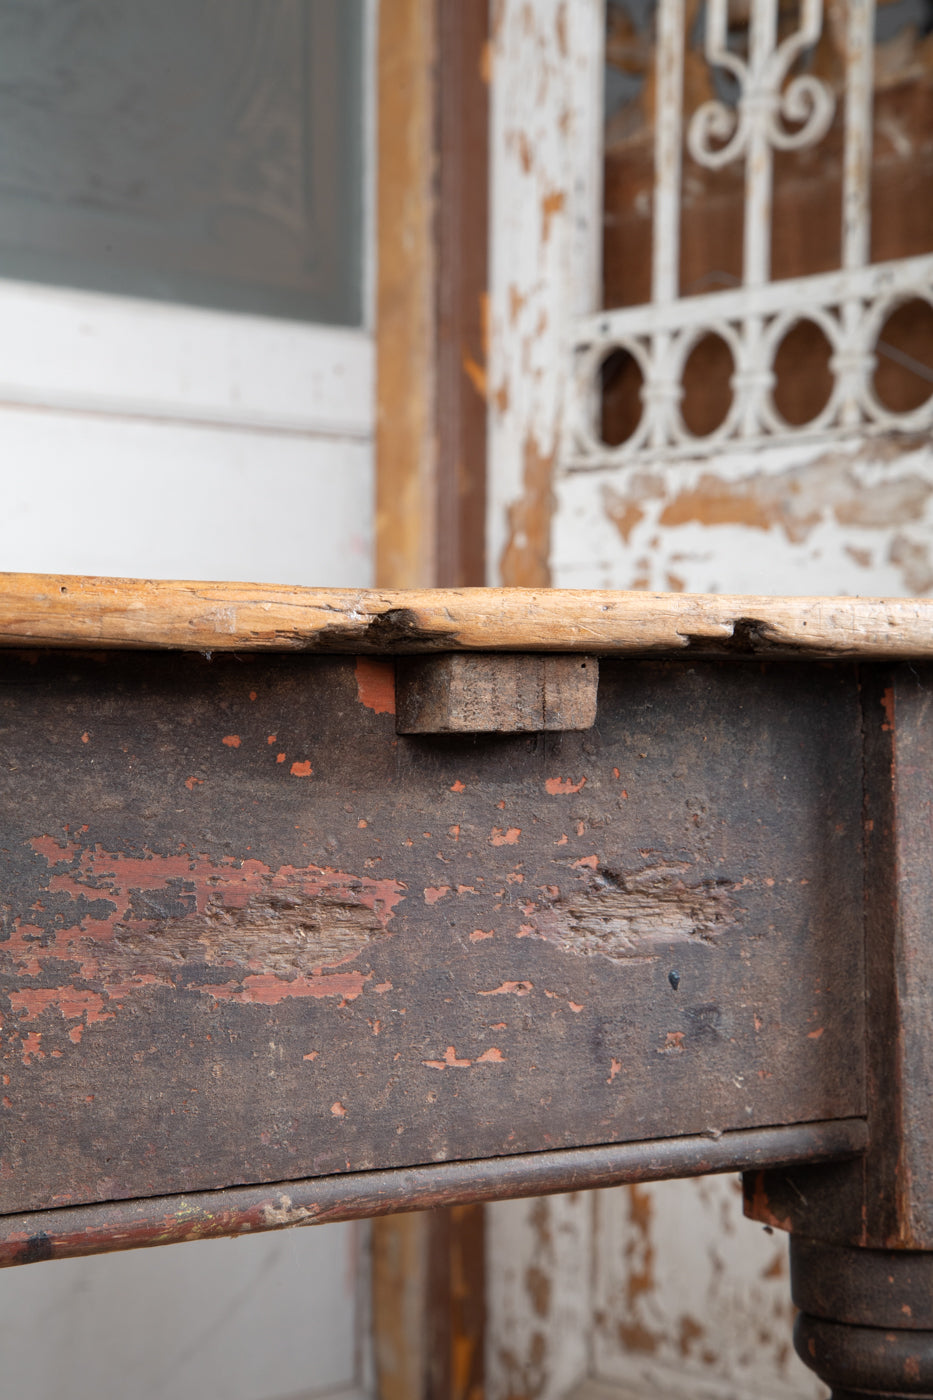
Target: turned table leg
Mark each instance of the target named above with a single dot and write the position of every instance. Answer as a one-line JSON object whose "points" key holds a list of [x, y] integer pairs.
{"points": [[866, 1318]]}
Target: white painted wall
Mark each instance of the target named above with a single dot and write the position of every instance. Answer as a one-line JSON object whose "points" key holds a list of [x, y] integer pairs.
{"points": [[146, 440], [275, 1315], [140, 439]]}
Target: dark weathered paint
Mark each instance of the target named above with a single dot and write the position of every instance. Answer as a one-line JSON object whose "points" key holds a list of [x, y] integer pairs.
{"points": [[861, 1273], [325, 948]]}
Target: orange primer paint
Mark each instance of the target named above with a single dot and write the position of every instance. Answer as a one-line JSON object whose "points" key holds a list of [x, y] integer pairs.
{"points": [[268, 990], [115, 880], [449, 1061], [375, 685], [559, 785]]}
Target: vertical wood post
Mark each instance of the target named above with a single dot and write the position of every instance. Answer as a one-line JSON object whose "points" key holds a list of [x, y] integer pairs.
{"points": [[429, 1267], [862, 1247]]}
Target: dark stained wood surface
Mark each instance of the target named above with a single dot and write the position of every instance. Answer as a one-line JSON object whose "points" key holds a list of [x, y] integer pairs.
{"points": [[885, 1201], [71, 1231], [253, 935]]}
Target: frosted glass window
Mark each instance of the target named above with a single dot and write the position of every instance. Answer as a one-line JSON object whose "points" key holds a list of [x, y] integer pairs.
{"points": [[198, 151]]}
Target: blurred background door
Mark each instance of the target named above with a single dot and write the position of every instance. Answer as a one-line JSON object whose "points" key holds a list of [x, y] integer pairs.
{"points": [[710, 370]]}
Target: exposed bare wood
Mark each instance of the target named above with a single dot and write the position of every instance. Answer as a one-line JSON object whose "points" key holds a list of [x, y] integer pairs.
{"points": [[399, 1286], [52, 610], [463, 693]]}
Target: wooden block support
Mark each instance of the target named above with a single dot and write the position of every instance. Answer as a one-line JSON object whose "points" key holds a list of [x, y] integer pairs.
{"points": [[476, 693]]}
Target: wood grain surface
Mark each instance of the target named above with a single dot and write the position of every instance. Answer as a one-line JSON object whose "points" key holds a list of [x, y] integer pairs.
{"points": [[48, 610]]}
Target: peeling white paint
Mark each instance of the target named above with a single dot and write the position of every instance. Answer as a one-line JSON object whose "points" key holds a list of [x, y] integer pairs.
{"points": [[545, 193], [853, 518]]}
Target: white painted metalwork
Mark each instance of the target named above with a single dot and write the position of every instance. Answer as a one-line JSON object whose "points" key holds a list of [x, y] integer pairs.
{"points": [[773, 110]]}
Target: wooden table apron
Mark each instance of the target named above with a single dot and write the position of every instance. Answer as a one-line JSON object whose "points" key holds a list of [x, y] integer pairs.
{"points": [[266, 960]]}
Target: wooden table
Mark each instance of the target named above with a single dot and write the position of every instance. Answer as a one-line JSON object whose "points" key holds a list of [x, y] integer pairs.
{"points": [[320, 904]]}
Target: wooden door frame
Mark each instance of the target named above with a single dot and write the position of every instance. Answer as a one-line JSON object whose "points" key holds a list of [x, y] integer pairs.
{"points": [[428, 1298], [432, 200]]}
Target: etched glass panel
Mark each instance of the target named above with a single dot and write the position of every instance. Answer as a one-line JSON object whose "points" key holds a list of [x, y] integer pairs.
{"points": [[199, 151]]}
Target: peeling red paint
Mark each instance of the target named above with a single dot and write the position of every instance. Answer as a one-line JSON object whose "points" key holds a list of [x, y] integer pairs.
{"points": [[450, 1061], [492, 1056], [70, 1002], [887, 704], [375, 685], [505, 838], [559, 785], [435, 892], [458, 786], [758, 1204], [479, 934], [269, 990], [516, 989], [222, 894], [232, 741], [301, 769]]}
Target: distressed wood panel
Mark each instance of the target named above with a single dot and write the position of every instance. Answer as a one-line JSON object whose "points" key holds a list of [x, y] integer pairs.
{"points": [[252, 935], [540, 1296], [718, 1327], [885, 1203], [852, 517], [545, 196]]}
